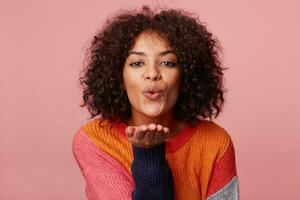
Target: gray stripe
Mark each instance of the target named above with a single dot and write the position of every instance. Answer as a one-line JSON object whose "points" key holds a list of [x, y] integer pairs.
{"points": [[228, 192]]}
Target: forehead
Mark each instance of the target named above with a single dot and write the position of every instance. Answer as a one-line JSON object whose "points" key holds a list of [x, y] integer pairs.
{"points": [[150, 41]]}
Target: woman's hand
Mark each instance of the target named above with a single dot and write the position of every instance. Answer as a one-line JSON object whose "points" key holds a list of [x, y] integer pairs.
{"points": [[147, 135]]}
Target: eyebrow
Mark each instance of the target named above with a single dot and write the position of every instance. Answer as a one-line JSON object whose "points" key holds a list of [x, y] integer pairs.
{"points": [[144, 54]]}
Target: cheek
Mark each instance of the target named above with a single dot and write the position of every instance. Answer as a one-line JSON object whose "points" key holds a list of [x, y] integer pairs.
{"points": [[174, 80], [126, 79], [130, 77], [130, 86], [173, 87], [174, 91]]}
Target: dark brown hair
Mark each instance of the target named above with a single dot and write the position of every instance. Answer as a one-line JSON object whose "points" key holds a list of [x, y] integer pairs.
{"points": [[201, 90]]}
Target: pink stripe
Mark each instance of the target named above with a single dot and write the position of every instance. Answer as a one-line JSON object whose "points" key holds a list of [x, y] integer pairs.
{"points": [[105, 177], [109, 162]]}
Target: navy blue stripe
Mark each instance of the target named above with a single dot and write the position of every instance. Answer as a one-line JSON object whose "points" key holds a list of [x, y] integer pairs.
{"points": [[152, 174]]}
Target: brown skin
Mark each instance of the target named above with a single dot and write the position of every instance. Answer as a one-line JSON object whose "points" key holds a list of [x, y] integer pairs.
{"points": [[147, 135], [152, 121]]}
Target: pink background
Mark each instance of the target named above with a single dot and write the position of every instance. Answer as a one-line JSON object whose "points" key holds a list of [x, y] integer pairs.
{"points": [[41, 49]]}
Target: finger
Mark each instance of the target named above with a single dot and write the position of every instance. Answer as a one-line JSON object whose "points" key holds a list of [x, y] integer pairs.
{"points": [[159, 127], [166, 130], [149, 139], [132, 132], [129, 131], [159, 135], [136, 139], [152, 127], [166, 133], [139, 134], [149, 136]]}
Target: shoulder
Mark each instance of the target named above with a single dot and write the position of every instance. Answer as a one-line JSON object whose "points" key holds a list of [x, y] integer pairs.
{"points": [[94, 137], [213, 136], [98, 130], [213, 130], [105, 137], [96, 127], [84, 134], [87, 134]]}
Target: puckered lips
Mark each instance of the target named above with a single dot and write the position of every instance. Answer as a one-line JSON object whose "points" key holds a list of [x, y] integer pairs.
{"points": [[152, 93]]}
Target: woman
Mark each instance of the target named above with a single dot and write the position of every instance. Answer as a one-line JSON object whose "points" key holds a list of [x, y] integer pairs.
{"points": [[153, 79]]}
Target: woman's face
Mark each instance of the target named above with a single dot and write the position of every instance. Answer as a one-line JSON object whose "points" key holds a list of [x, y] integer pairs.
{"points": [[151, 76]]}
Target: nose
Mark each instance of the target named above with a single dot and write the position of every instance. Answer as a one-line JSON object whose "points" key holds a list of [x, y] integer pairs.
{"points": [[152, 73]]}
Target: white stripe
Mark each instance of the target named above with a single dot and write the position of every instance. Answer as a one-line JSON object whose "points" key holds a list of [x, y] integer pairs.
{"points": [[228, 192]]}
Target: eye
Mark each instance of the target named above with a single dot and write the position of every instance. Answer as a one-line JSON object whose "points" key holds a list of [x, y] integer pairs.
{"points": [[170, 64], [136, 64]]}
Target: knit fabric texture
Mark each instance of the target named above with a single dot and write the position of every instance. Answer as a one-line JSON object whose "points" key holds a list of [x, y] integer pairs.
{"points": [[151, 174], [198, 163]]}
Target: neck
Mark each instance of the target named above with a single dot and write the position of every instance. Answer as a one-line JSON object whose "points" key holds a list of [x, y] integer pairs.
{"points": [[166, 120], [138, 119]]}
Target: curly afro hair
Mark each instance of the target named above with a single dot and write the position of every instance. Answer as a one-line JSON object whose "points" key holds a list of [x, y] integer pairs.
{"points": [[197, 50]]}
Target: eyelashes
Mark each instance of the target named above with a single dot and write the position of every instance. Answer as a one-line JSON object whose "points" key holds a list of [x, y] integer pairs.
{"points": [[135, 64], [171, 64], [166, 63]]}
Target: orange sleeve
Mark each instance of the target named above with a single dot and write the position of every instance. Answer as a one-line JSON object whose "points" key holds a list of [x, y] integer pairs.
{"points": [[224, 168]]}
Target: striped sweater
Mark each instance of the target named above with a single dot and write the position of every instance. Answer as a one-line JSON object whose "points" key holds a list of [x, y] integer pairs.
{"points": [[201, 158]]}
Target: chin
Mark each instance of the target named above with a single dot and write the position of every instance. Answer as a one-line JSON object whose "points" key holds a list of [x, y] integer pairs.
{"points": [[153, 114]]}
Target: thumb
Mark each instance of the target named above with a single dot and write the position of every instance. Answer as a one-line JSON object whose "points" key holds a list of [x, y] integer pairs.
{"points": [[130, 130]]}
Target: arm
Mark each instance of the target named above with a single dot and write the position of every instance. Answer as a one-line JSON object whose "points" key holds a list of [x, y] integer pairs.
{"points": [[105, 177], [224, 181], [152, 175]]}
